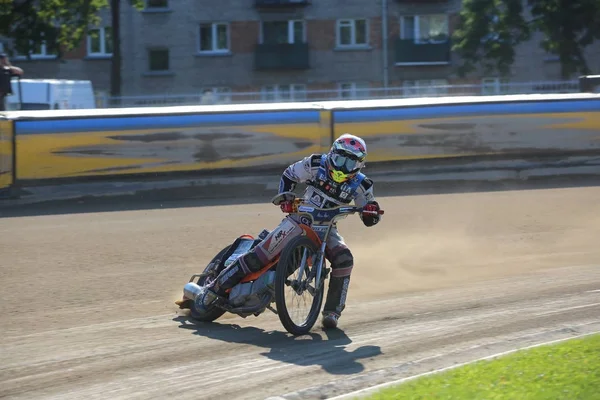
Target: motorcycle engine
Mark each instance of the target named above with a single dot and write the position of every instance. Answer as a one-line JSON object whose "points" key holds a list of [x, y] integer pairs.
{"points": [[249, 294]]}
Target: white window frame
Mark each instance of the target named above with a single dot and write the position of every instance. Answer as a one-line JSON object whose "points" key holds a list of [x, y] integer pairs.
{"points": [[214, 29], [102, 52], [38, 56], [43, 52], [352, 23], [357, 90], [294, 88], [416, 35], [290, 30], [424, 87]]}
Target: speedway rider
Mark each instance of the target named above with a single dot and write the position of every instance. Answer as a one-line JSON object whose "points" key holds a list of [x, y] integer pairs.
{"points": [[332, 179]]}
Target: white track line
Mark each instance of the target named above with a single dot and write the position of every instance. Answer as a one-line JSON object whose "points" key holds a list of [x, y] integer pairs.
{"points": [[568, 309], [370, 390]]}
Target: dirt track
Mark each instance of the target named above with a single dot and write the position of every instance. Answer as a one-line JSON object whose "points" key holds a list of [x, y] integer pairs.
{"points": [[87, 299]]}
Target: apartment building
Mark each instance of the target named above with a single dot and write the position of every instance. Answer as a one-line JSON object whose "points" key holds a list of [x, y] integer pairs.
{"points": [[284, 48], [281, 49]]}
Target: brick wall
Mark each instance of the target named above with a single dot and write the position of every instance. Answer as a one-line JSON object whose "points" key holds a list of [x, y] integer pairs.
{"points": [[244, 36], [321, 34], [375, 37], [78, 52]]}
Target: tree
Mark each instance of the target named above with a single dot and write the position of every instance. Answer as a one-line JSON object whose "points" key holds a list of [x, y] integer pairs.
{"points": [[489, 31], [61, 25]]}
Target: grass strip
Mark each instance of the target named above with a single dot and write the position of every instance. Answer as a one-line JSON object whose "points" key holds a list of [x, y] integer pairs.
{"points": [[568, 370]]}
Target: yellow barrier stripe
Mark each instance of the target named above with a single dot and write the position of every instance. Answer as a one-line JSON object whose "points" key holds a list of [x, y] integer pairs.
{"points": [[6, 135], [586, 120], [55, 155]]}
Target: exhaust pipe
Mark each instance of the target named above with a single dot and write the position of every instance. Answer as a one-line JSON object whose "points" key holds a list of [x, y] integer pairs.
{"points": [[191, 290]]}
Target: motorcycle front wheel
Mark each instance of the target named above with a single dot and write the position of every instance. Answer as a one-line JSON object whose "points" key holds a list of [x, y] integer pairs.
{"points": [[289, 286]]}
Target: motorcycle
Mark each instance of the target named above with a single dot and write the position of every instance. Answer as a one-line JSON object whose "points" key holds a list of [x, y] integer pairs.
{"points": [[303, 256]]}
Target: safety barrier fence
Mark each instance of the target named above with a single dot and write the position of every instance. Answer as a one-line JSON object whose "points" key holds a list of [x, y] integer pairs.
{"points": [[38, 146], [297, 93]]}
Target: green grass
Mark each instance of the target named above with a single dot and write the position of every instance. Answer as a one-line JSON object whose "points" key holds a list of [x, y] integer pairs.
{"points": [[568, 370]]}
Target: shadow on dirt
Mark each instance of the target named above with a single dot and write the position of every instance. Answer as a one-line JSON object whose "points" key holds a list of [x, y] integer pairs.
{"points": [[183, 199], [324, 348]]}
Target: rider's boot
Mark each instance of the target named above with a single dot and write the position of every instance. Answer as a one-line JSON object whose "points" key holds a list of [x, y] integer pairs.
{"points": [[330, 320], [336, 301], [227, 279]]}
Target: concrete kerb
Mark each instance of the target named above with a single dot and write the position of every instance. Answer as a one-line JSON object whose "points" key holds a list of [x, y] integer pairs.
{"points": [[264, 184]]}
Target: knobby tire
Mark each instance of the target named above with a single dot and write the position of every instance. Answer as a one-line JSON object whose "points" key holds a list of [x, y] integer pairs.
{"points": [[284, 269]]}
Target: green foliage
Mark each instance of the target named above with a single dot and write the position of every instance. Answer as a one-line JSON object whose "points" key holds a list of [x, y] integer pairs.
{"points": [[60, 24], [489, 30], [568, 370], [568, 27]]}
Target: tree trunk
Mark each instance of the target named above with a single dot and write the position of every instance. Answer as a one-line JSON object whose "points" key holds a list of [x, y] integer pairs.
{"points": [[115, 71]]}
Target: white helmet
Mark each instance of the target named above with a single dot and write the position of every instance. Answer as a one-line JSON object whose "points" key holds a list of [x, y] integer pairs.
{"points": [[346, 157]]}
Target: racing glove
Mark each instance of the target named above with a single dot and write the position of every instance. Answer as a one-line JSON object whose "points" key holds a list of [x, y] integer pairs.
{"points": [[369, 215]]}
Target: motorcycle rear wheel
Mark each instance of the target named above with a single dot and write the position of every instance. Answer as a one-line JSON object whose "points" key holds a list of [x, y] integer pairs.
{"points": [[289, 262], [213, 270]]}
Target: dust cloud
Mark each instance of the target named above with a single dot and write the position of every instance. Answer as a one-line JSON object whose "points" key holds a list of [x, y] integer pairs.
{"points": [[430, 242]]}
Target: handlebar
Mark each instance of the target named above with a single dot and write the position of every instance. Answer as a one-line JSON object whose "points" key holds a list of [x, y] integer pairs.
{"points": [[299, 207], [328, 213]]}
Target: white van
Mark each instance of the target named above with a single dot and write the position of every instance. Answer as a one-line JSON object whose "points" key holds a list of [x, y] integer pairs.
{"points": [[50, 94]]}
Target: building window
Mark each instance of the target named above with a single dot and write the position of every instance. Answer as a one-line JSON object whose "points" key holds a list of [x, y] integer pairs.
{"points": [[214, 38], [284, 93], [158, 60], [425, 87], [352, 32], [353, 90], [100, 42], [38, 51], [278, 32], [424, 28], [157, 4], [491, 86]]}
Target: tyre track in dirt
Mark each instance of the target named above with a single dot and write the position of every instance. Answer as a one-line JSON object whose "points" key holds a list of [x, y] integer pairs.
{"points": [[87, 299]]}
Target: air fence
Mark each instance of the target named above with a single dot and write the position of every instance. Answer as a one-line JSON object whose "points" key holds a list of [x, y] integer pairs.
{"points": [[45, 146], [295, 93]]}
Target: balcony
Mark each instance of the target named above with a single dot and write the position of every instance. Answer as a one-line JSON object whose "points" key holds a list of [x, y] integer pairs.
{"points": [[410, 53], [281, 56], [278, 4]]}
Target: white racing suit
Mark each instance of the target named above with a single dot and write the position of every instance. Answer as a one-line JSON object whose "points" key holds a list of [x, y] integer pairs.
{"points": [[321, 192]]}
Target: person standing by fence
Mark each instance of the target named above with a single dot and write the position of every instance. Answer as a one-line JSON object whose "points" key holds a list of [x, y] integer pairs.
{"points": [[7, 71]]}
